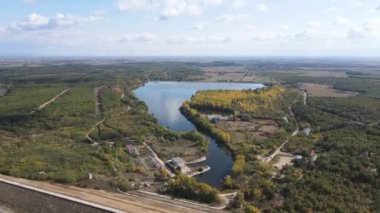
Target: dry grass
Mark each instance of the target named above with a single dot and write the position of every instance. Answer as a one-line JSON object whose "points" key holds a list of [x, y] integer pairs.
{"points": [[228, 74], [324, 74], [322, 90], [279, 161], [187, 151], [118, 89], [3, 91], [255, 130], [233, 74]]}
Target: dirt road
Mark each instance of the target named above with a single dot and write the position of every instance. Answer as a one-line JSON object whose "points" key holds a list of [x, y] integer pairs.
{"points": [[42, 106], [98, 101], [278, 150], [94, 143], [305, 98]]}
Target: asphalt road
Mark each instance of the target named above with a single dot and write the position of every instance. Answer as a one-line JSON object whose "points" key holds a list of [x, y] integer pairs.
{"points": [[108, 200], [6, 209]]}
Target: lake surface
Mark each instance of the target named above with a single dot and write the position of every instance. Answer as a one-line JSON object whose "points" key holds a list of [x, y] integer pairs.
{"points": [[164, 99]]}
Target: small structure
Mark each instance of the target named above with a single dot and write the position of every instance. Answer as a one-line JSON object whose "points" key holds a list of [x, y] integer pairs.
{"points": [[178, 164], [147, 183], [153, 163], [313, 155], [132, 149], [298, 157], [306, 131], [215, 120]]}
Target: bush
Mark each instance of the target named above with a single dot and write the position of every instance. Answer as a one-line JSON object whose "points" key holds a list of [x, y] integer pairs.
{"points": [[239, 164], [124, 185], [65, 176], [251, 209], [187, 187]]}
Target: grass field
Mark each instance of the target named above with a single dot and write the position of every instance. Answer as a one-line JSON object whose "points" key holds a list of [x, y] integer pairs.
{"points": [[25, 99], [321, 90], [252, 130]]}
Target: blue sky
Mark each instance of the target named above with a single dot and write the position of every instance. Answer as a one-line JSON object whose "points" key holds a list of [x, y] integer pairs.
{"points": [[190, 27]]}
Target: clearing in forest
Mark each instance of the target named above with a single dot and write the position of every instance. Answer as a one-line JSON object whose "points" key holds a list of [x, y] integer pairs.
{"points": [[323, 90]]}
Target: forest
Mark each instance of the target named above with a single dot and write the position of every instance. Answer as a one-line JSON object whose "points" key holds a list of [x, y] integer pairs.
{"points": [[345, 136], [260, 103], [51, 144]]}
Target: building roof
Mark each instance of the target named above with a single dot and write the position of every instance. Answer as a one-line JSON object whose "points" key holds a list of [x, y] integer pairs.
{"points": [[131, 149], [130, 146], [179, 161], [306, 130]]}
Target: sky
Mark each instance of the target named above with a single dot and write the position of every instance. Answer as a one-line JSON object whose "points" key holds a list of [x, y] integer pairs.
{"points": [[190, 28]]}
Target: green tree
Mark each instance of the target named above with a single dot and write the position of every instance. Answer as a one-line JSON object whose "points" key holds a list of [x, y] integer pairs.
{"points": [[239, 164], [228, 182], [238, 200], [251, 209]]}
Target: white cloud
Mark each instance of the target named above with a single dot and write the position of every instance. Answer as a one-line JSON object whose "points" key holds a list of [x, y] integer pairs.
{"points": [[377, 8], [356, 33], [269, 36], [100, 12], [249, 28], [197, 27], [198, 40], [33, 22], [144, 37], [284, 27], [171, 8], [331, 9], [230, 18], [263, 8], [2, 31], [36, 22], [370, 28], [177, 8], [30, 1], [313, 24], [308, 33], [341, 21], [70, 20], [356, 3], [130, 5], [239, 3]]}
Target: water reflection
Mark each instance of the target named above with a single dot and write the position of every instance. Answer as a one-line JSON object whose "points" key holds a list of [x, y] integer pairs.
{"points": [[165, 98]]}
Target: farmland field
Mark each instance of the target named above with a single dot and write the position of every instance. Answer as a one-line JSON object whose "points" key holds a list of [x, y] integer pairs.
{"points": [[320, 90]]}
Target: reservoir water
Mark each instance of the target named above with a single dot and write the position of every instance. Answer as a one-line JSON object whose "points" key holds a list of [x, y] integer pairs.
{"points": [[164, 98]]}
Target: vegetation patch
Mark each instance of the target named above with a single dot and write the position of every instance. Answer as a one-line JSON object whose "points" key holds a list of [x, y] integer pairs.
{"points": [[322, 90], [187, 187]]}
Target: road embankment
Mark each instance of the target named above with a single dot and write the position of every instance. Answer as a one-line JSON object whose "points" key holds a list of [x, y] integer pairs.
{"points": [[37, 196], [31, 199]]}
